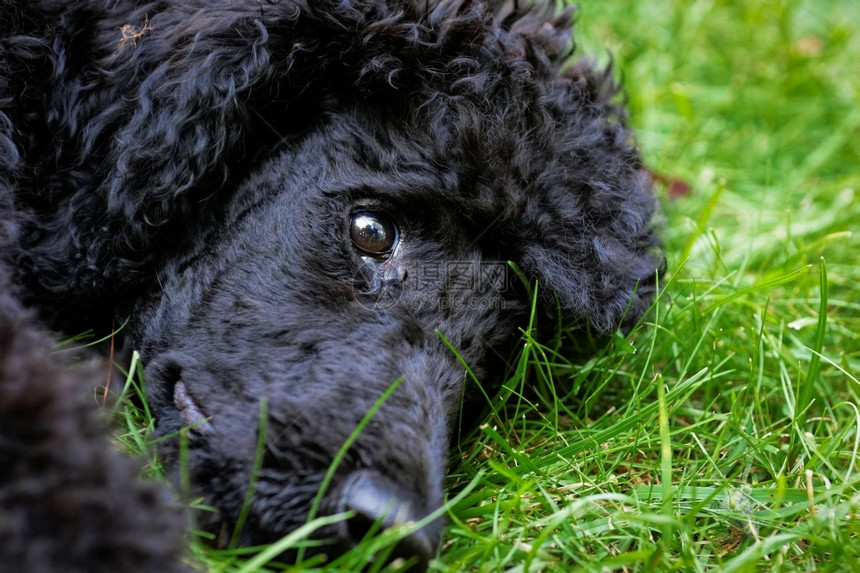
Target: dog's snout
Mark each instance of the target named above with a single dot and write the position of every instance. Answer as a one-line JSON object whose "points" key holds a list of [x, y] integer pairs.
{"points": [[377, 503]]}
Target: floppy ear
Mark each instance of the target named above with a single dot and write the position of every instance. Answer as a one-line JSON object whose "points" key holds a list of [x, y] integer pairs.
{"points": [[146, 121], [588, 234]]}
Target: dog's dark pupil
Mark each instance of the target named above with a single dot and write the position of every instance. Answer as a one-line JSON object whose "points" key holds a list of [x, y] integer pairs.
{"points": [[372, 232]]}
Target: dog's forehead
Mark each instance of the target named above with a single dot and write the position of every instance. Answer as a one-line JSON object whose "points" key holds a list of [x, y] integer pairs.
{"points": [[356, 156], [345, 161]]}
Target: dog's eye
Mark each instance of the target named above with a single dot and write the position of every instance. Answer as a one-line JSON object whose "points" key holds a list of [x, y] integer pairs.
{"points": [[373, 233]]}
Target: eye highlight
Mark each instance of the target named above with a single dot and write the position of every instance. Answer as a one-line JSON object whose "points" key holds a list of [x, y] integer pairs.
{"points": [[373, 232]]}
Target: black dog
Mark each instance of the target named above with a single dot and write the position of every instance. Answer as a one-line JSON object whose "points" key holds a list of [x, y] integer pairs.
{"points": [[299, 205]]}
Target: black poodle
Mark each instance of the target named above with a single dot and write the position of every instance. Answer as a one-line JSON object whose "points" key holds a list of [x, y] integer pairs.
{"points": [[299, 208]]}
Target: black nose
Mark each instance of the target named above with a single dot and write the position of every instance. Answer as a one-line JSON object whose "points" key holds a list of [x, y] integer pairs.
{"points": [[378, 503]]}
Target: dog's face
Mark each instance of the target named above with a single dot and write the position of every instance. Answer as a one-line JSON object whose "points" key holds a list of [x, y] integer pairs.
{"points": [[349, 272], [340, 270]]}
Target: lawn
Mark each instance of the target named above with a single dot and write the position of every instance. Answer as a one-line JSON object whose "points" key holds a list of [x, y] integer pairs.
{"points": [[723, 434]]}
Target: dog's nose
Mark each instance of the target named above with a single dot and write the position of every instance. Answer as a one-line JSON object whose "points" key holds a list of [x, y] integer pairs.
{"points": [[378, 503]]}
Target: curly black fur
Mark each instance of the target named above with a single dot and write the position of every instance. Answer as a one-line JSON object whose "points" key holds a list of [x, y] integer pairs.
{"points": [[198, 165], [68, 501]]}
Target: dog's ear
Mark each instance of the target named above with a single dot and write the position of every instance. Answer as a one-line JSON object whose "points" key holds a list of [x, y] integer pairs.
{"points": [[583, 201], [587, 233], [178, 129], [594, 252]]}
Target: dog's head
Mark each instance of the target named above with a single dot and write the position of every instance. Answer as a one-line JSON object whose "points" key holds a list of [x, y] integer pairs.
{"points": [[345, 268], [329, 197]]}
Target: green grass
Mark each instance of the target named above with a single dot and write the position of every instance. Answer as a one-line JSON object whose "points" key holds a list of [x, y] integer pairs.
{"points": [[723, 434]]}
